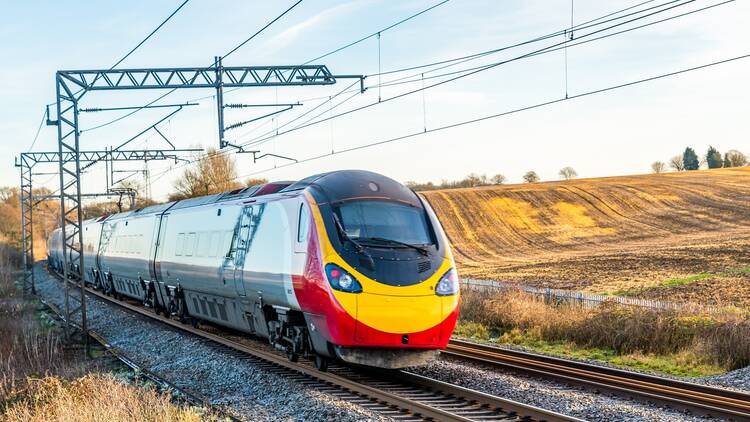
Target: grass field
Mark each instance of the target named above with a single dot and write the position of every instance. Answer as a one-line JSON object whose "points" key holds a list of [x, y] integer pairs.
{"points": [[675, 236]]}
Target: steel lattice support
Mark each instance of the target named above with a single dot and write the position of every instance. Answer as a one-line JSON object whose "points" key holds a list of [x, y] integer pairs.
{"points": [[27, 226], [72, 85], [28, 200]]}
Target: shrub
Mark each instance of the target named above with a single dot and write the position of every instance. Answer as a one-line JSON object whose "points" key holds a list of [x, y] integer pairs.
{"points": [[718, 338]]}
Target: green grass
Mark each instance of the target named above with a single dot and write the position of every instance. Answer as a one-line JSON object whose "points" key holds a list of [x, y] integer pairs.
{"points": [[680, 281], [684, 364]]}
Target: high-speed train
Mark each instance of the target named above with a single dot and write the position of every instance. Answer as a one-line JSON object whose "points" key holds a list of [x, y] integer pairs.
{"points": [[347, 265]]}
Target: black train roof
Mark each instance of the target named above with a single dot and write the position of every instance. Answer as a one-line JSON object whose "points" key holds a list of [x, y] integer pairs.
{"points": [[344, 185]]}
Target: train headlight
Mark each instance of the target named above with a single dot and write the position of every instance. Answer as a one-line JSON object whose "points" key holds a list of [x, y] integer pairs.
{"points": [[448, 284], [342, 280]]}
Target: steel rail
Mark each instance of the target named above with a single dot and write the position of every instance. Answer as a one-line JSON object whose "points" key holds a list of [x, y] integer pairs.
{"points": [[714, 401], [413, 397], [178, 392]]}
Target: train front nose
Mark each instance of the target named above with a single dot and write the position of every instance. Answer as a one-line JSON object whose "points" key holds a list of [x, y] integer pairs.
{"points": [[404, 321]]}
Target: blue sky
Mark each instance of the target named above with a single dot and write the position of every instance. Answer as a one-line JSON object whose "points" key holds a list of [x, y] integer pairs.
{"points": [[620, 132]]}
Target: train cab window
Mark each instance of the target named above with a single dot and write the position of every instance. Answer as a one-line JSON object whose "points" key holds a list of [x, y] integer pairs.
{"points": [[384, 220], [303, 223]]}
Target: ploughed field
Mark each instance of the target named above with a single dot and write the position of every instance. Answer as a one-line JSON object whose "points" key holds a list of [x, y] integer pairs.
{"points": [[677, 236]]}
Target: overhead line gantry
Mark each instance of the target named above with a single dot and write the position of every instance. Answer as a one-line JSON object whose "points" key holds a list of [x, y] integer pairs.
{"points": [[72, 85], [26, 163]]}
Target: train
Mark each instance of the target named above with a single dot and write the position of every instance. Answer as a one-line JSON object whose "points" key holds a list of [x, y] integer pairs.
{"points": [[345, 266]]}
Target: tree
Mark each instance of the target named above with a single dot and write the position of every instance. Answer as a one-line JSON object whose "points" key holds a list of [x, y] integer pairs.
{"points": [[735, 159], [254, 182], [530, 177], [690, 159], [474, 180], [568, 173], [713, 158], [658, 167], [498, 179], [212, 173], [677, 163]]}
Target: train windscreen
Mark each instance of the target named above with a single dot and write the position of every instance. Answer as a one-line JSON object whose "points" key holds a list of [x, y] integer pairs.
{"points": [[384, 221]]}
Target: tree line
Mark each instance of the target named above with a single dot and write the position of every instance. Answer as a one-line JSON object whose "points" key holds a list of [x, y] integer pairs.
{"points": [[474, 180], [713, 159]]}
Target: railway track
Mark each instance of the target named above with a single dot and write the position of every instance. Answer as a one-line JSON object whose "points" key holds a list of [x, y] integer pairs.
{"points": [[399, 395], [706, 400]]}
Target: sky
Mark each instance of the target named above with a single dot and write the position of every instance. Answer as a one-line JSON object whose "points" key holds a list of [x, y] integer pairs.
{"points": [[613, 133]]}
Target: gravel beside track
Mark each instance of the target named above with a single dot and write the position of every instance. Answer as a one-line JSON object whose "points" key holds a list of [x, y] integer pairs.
{"points": [[563, 398], [229, 382], [253, 393], [739, 379]]}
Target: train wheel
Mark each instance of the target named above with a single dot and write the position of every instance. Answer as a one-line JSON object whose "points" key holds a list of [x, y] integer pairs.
{"points": [[293, 357], [321, 363]]}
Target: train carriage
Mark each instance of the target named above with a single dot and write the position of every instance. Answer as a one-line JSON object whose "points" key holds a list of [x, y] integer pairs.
{"points": [[348, 265]]}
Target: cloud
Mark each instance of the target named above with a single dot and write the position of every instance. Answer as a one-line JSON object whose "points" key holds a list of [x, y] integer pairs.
{"points": [[293, 33]]}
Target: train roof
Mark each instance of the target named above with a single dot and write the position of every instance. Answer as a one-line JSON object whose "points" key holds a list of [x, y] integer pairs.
{"points": [[344, 185], [334, 186], [233, 195]]}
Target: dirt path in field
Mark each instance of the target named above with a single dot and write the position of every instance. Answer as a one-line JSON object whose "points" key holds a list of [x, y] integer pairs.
{"points": [[619, 234]]}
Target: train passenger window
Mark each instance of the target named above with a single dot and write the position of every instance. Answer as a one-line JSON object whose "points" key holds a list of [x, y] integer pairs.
{"points": [[190, 244], [180, 244], [303, 223], [213, 247], [203, 244]]}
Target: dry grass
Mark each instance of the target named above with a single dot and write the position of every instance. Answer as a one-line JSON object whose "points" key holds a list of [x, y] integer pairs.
{"points": [[27, 349], [34, 367], [605, 235], [96, 398], [719, 338]]}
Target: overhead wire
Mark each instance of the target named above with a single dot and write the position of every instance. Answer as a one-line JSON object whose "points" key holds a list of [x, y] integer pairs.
{"points": [[474, 55], [264, 138], [505, 113], [118, 62], [175, 89], [149, 35], [425, 130], [416, 79], [38, 130]]}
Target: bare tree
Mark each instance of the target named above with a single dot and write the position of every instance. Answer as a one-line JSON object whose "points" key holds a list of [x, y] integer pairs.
{"points": [[498, 179], [568, 173], [474, 180], [735, 158], [530, 177], [658, 167], [677, 163], [212, 173]]}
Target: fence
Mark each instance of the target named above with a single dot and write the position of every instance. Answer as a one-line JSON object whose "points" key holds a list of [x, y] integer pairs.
{"points": [[585, 299]]}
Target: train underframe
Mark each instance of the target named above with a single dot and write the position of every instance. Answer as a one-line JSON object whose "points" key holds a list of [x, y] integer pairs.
{"points": [[290, 331]]}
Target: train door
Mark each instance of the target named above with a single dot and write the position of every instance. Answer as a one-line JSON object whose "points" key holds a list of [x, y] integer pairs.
{"points": [[156, 258], [235, 260]]}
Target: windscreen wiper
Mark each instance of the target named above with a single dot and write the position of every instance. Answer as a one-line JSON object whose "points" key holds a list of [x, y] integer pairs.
{"points": [[421, 249], [357, 246]]}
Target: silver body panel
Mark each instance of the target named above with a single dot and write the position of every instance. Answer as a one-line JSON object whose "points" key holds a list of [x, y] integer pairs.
{"points": [[228, 257]]}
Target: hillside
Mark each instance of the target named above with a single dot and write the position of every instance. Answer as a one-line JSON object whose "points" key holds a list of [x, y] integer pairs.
{"points": [[615, 235]]}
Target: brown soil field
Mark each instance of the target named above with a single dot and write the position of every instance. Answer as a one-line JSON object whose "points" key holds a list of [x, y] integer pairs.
{"points": [[675, 236]]}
